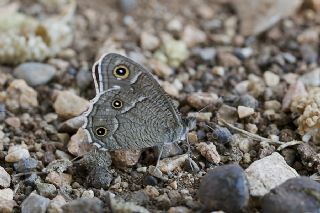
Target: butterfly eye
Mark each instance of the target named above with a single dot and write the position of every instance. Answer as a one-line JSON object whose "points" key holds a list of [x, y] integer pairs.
{"points": [[101, 131], [117, 104], [121, 72]]}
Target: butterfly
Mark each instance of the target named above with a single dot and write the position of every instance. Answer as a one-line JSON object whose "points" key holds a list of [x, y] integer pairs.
{"points": [[131, 110]]}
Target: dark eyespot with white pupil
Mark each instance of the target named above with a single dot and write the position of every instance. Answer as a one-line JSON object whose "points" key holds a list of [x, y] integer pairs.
{"points": [[117, 104], [101, 131], [121, 72]]}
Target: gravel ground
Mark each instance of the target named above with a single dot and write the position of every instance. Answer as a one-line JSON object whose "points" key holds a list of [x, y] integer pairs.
{"points": [[249, 72]]}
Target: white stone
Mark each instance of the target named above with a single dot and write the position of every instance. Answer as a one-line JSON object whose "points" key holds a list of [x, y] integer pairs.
{"points": [[170, 164], [6, 194], [209, 151], [149, 41], [271, 79], [267, 173], [16, 153], [244, 112], [5, 178]]}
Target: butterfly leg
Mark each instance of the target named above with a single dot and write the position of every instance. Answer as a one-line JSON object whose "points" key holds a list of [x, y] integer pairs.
{"points": [[189, 153], [159, 156]]}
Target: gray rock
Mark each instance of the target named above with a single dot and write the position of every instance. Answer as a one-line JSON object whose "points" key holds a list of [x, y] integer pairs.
{"points": [[206, 54], [258, 16], [311, 78], [267, 173], [296, 195], [71, 125], [2, 112], [191, 166], [83, 78], [139, 197], [84, 205], [127, 5], [222, 135], [34, 204], [35, 73], [5, 178], [243, 53], [46, 190], [25, 165], [126, 207], [94, 168], [170, 150], [224, 188], [248, 101], [309, 53]]}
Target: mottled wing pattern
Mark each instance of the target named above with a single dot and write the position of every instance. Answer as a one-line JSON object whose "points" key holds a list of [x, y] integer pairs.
{"points": [[147, 116]]}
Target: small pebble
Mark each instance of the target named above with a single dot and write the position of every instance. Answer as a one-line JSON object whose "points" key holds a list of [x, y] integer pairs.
{"points": [[150, 180], [13, 122], [222, 135], [179, 209], [160, 69], [6, 194], [224, 188], [68, 104], [78, 144], [209, 151], [170, 164], [5, 178], [206, 54], [151, 191], [311, 78], [125, 158], [16, 153], [220, 71], [56, 204], [59, 179], [87, 194], [193, 36], [21, 96], [46, 190], [35, 74], [201, 116], [25, 165], [149, 41], [35, 203], [199, 100], [71, 125], [244, 112], [228, 60], [84, 205], [271, 79]]}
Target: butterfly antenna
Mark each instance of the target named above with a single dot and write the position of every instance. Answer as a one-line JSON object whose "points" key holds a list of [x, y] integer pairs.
{"points": [[159, 157], [205, 107]]}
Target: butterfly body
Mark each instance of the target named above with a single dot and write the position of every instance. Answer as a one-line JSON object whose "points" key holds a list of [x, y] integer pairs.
{"points": [[131, 110]]}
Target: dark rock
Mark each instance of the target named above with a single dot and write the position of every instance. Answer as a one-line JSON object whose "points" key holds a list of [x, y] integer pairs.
{"points": [[191, 166], [201, 134], [139, 197], [34, 204], [31, 180], [224, 188], [296, 195], [150, 180], [25, 165], [222, 135], [170, 150], [84, 205], [99, 178]]}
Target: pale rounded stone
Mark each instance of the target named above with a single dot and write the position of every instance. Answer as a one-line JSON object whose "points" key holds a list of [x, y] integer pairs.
{"points": [[170, 164], [193, 36], [244, 112], [59, 179], [160, 69], [267, 173], [6, 194], [125, 158], [149, 41], [209, 151], [78, 144], [16, 153], [68, 104], [271, 79], [5, 178], [20, 95]]}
